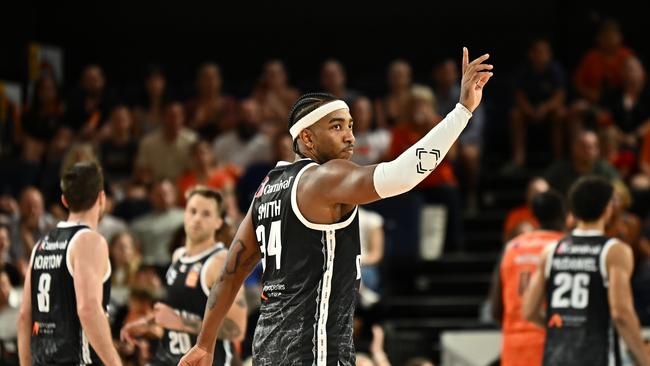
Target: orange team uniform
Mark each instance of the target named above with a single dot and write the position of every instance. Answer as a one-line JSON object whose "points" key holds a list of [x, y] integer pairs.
{"points": [[523, 342]]}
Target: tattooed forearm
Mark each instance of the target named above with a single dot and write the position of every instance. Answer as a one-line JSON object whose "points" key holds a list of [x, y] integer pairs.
{"points": [[214, 295], [192, 325], [240, 256], [229, 329]]}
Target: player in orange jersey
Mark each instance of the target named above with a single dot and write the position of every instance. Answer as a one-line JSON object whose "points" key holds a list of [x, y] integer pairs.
{"points": [[523, 342]]}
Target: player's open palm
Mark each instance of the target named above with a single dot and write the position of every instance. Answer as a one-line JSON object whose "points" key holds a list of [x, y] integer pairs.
{"points": [[196, 356], [475, 75]]}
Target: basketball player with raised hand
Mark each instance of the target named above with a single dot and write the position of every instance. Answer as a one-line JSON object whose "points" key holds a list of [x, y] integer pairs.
{"points": [[195, 268], [303, 225], [63, 317], [583, 284]]}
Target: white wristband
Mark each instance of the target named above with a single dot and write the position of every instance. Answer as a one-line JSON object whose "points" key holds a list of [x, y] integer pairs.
{"points": [[413, 165]]}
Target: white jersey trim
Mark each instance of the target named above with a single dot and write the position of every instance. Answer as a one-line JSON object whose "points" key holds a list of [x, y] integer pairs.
{"points": [[326, 290], [188, 259], [204, 269], [228, 352], [85, 349], [68, 250], [303, 220], [603, 259]]}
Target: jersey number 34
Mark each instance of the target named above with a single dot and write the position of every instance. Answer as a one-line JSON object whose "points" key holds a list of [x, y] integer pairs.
{"points": [[274, 248]]}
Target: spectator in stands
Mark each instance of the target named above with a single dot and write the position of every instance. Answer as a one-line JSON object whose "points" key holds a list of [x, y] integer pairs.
{"points": [[521, 219], [134, 203], [28, 226], [274, 94], [119, 147], [246, 143], [623, 224], [371, 232], [333, 81], [43, 117], [629, 110], [205, 172], [154, 231], [148, 112], [392, 108], [370, 145], [539, 101], [598, 74], [125, 261], [5, 243], [447, 92], [585, 160], [249, 182], [90, 105], [165, 152], [8, 319], [441, 186], [211, 111], [109, 224]]}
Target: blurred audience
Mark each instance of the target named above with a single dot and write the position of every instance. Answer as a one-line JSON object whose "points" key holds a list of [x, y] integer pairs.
{"points": [[393, 108], [165, 152]]}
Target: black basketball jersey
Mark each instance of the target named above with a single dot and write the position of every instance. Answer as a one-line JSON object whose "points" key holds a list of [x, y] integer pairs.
{"points": [[187, 294], [579, 329], [311, 277], [57, 335]]}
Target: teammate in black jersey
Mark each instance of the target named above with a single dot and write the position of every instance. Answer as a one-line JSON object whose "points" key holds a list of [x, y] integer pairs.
{"points": [[63, 314], [194, 269], [581, 292], [302, 224]]}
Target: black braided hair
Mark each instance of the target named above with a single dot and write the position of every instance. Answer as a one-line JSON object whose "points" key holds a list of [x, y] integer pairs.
{"points": [[303, 106]]}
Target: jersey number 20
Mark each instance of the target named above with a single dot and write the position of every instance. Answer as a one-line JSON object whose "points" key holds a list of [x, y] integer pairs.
{"points": [[572, 290], [275, 243]]}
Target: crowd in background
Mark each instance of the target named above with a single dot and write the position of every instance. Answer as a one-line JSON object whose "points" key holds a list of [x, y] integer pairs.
{"points": [[155, 145]]}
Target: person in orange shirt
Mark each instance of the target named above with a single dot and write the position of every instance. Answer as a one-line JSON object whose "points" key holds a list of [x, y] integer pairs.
{"points": [[441, 186], [521, 219], [523, 342], [205, 172]]}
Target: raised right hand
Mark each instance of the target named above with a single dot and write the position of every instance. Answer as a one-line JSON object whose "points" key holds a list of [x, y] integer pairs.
{"points": [[475, 76]]}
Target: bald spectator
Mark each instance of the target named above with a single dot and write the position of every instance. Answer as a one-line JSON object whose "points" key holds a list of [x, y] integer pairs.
{"points": [[156, 229], [585, 160], [31, 223], [246, 144], [333, 80], [370, 145], [165, 152], [211, 111]]}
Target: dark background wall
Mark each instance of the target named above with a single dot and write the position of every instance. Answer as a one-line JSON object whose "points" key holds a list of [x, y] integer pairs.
{"points": [[240, 35]]}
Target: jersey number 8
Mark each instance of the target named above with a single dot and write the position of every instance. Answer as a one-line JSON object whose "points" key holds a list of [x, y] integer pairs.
{"points": [[43, 296]]}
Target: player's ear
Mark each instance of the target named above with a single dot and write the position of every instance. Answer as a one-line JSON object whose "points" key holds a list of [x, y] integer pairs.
{"points": [[307, 137], [64, 201]]}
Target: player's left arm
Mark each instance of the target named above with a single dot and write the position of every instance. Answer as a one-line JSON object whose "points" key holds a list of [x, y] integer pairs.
{"points": [[535, 295]]}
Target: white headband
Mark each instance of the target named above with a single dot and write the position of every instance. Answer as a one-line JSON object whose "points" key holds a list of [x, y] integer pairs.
{"points": [[315, 115]]}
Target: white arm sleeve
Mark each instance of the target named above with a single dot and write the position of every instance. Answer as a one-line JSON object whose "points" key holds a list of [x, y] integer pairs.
{"points": [[413, 165]]}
